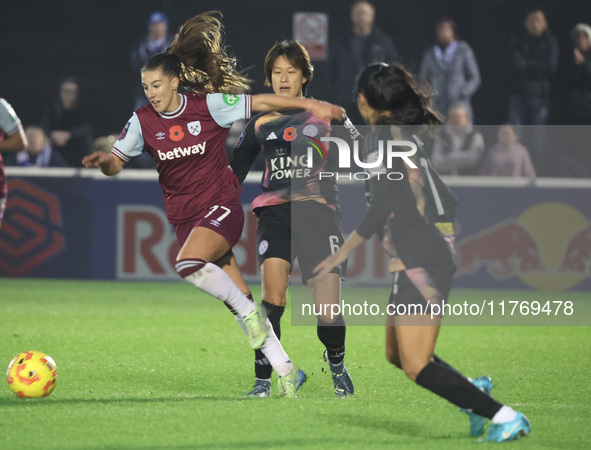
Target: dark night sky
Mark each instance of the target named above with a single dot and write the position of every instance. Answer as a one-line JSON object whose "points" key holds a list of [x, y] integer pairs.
{"points": [[45, 41]]}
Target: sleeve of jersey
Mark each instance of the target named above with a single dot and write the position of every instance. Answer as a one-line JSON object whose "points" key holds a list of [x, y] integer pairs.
{"points": [[380, 208], [9, 121], [130, 142], [227, 108], [245, 152]]}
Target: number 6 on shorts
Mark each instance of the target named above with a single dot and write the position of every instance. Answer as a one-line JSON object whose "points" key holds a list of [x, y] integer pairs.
{"points": [[334, 244]]}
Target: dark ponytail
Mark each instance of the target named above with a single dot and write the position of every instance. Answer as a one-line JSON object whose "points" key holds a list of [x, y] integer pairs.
{"points": [[394, 89], [170, 65]]}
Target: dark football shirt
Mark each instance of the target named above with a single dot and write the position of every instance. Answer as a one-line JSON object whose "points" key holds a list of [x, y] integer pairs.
{"points": [[294, 157], [413, 216]]}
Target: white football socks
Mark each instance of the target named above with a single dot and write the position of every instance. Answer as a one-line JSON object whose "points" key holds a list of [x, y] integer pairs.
{"points": [[273, 351], [214, 281], [505, 414]]}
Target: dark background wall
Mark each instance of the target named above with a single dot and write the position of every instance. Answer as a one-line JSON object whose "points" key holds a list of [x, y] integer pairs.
{"points": [[43, 41]]}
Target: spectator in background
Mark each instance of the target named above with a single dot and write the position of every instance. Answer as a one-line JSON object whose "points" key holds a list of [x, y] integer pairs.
{"points": [[451, 69], [535, 58], [68, 124], [155, 41], [12, 138], [105, 144], [568, 146], [38, 151], [351, 52], [508, 157], [580, 95], [459, 147]]}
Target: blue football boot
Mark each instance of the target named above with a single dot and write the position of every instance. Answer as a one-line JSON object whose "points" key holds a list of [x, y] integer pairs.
{"points": [[477, 422], [509, 431]]}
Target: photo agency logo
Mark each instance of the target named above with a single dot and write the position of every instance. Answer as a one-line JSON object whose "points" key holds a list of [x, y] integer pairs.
{"points": [[378, 160]]}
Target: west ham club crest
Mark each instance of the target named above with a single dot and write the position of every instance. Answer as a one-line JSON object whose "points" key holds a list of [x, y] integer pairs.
{"points": [[194, 127]]}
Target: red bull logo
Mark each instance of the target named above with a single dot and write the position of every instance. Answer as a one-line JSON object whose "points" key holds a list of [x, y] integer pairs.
{"points": [[507, 249], [577, 257], [548, 247]]}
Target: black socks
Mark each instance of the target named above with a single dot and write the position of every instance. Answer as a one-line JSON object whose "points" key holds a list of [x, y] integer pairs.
{"points": [[448, 383], [333, 338]]}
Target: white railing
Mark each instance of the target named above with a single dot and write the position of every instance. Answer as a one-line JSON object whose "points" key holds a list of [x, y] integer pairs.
{"points": [[255, 177]]}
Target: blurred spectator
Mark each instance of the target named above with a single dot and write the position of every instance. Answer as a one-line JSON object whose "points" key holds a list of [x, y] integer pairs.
{"points": [[105, 144], [68, 124], [508, 157], [451, 69], [38, 152], [155, 41], [351, 52], [535, 58], [12, 138], [580, 95], [460, 146]]}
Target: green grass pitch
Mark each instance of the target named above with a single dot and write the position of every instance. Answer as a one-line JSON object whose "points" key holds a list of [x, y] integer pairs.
{"points": [[161, 365]]}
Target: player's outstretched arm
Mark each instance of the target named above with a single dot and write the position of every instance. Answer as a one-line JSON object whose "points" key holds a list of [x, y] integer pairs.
{"points": [[107, 162], [15, 142], [352, 242], [323, 110]]}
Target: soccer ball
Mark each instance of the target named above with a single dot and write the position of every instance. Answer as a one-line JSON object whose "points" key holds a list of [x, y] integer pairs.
{"points": [[32, 374]]}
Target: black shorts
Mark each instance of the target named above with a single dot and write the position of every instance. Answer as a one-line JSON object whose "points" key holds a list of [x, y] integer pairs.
{"points": [[415, 290], [308, 230]]}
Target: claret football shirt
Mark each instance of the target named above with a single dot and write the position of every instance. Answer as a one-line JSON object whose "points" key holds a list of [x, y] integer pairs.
{"points": [[188, 146], [9, 123]]}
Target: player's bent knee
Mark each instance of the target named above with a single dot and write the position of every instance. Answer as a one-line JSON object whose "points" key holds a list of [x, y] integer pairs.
{"points": [[275, 298], [393, 358], [188, 268], [412, 369], [330, 317], [411, 373], [325, 320]]}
